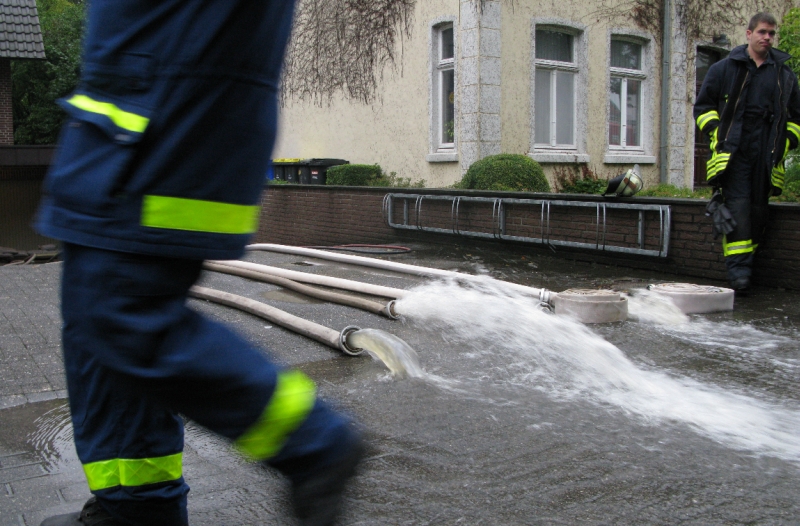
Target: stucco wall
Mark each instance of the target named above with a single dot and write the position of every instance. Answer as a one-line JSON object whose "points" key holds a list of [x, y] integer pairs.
{"points": [[392, 132], [592, 55], [496, 114]]}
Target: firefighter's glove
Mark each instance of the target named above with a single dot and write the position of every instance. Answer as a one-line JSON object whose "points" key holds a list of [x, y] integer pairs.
{"points": [[723, 221]]}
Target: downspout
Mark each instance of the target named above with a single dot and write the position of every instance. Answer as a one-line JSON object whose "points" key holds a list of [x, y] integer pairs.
{"points": [[666, 68]]}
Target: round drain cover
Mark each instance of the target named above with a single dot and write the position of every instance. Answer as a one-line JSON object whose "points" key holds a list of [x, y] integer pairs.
{"points": [[696, 299]]}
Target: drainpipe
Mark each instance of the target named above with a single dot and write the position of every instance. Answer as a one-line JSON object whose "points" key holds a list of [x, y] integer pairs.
{"points": [[665, 78]]}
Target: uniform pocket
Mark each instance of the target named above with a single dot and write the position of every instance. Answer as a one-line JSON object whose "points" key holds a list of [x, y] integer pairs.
{"points": [[90, 166], [107, 118]]}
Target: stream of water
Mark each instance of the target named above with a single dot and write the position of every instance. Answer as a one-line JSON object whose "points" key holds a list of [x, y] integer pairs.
{"points": [[510, 339]]}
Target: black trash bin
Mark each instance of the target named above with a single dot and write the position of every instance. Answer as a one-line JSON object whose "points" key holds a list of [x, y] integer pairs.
{"points": [[294, 174], [286, 169], [315, 171]]}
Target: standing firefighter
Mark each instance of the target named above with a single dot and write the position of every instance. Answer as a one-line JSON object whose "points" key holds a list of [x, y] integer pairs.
{"points": [[161, 165], [749, 106]]}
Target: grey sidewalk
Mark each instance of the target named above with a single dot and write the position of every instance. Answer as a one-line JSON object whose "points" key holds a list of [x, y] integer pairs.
{"points": [[30, 325]]}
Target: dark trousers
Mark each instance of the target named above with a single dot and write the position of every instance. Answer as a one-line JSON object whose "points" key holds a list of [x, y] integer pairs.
{"points": [[746, 190], [138, 359]]}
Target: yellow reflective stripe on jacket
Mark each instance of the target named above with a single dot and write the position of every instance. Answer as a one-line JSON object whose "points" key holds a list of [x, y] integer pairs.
{"points": [[716, 164], [124, 119], [737, 247], [778, 176], [288, 408], [179, 213], [794, 129], [133, 471], [707, 117]]}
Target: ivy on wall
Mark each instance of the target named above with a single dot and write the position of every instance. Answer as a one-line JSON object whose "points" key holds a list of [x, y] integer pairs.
{"points": [[342, 47]]}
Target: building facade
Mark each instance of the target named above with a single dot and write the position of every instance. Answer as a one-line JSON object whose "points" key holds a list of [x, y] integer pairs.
{"points": [[571, 84]]}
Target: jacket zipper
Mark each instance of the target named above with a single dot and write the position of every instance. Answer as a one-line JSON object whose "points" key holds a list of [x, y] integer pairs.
{"points": [[735, 107], [780, 103]]}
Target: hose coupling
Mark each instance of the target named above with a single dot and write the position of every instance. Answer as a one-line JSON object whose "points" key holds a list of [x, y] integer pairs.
{"points": [[344, 346], [547, 296], [389, 311]]}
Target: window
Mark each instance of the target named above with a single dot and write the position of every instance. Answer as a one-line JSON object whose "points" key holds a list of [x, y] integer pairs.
{"points": [[554, 89], [625, 95], [444, 90]]}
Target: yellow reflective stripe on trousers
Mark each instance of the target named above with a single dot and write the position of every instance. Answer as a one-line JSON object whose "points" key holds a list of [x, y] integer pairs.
{"points": [[288, 408], [737, 247], [124, 119], [178, 213], [133, 471], [707, 117]]}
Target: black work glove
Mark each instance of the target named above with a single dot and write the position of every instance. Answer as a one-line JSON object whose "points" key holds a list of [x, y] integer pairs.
{"points": [[723, 221]]}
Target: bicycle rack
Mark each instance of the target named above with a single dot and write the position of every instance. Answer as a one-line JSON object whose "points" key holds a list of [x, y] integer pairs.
{"points": [[545, 231]]}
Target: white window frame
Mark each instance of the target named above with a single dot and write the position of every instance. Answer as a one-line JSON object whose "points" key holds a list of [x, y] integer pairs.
{"points": [[548, 150], [623, 153], [441, 151]]}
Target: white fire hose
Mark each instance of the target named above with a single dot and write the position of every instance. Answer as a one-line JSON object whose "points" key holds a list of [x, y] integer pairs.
{"points": [[320, 333]]}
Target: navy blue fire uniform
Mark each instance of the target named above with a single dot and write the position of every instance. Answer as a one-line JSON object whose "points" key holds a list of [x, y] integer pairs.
{"points": [[161, 165], [752, 117]]}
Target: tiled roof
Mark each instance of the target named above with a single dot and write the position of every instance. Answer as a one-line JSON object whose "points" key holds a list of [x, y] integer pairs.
{"points": [[20, 35]]}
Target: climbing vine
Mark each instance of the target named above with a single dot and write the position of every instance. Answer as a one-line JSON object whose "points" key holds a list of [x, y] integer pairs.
{"points": [[341, 47]]}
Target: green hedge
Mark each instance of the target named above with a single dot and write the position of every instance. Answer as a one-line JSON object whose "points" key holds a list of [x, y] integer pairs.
{"points": [[368, 175], [505, 172], [356, 175]]}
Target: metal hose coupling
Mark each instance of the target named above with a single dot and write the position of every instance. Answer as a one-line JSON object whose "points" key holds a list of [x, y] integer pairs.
{"points": [[389, 311], [344, 346], [547, 296]]}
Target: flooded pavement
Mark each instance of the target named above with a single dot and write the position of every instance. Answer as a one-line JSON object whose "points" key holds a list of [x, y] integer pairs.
{"points": [[518, 416]]}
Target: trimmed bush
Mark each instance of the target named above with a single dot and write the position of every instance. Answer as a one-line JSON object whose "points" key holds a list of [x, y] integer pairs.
{"points": [[505, 172], [356, 175]]}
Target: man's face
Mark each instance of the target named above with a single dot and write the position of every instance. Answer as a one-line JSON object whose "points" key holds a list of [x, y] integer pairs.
{"points": [[760, 39]]}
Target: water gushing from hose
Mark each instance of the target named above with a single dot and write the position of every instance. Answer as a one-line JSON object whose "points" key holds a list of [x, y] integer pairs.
{"points": [[516, 344], [396, 354]]}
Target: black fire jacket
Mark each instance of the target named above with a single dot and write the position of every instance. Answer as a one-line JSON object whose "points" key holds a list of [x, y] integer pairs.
{"points": [[720, 106]]}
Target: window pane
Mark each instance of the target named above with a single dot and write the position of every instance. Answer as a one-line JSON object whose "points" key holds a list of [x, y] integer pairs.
{"points": [[552, 45], [626, 55], [565, 100], [614, 112], [447, 43], [542, 107], [448, 106], [705, 58], [632, 117]]}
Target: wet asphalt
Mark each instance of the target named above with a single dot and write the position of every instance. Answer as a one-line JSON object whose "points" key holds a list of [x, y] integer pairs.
{"points": [[494, 450]]}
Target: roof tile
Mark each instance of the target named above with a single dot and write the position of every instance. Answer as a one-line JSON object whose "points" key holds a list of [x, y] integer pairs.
{"points": [[20, 34]]}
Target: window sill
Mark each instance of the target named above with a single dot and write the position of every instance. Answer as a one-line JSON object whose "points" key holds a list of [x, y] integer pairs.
{"points": [[450, 157], [559, 157], [628, 158]]}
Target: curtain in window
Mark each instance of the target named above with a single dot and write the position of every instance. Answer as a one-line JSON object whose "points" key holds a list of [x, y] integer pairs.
{"points": [[626, 55], [542, 106], [552, 45]]}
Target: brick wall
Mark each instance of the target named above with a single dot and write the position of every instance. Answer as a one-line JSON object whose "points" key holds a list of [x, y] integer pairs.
{"points": [[321, 215], [6, 112]]}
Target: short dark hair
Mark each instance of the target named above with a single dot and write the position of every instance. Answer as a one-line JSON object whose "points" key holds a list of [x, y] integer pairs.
{"points": [[762, 17]]}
